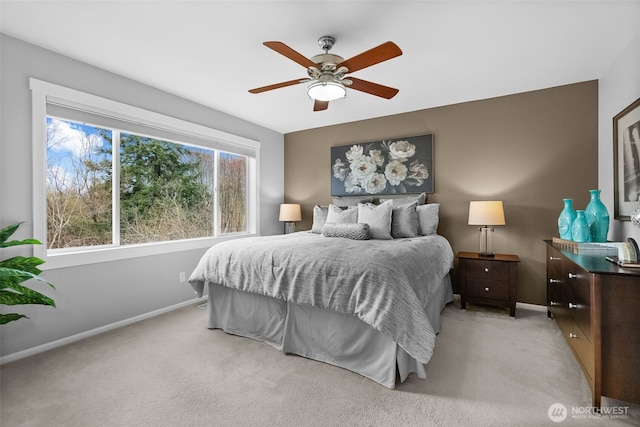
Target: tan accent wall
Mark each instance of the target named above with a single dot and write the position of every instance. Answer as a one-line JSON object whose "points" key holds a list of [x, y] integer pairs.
{"points": [[529, 150]]}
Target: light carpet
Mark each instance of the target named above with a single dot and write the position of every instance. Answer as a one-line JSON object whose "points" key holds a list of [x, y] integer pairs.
{"points": [[487, 370]]}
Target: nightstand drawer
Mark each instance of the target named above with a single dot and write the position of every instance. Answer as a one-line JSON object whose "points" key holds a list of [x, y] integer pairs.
{"points": [[487, 288], [495, 270]]}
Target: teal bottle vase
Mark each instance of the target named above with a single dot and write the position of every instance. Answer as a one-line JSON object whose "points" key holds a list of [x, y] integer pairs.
{"points": [[565, 220], [597, 217], [580, 228]]}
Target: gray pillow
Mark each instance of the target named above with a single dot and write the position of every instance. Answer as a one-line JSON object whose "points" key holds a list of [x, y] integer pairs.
{"points": [[378, 217], [404, 221], [354, 231], [428, 218], [337, 214], [351, 201], [319, 218], [397, 201]]}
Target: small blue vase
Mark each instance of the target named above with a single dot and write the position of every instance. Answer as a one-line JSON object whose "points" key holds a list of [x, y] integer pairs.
{"points": [[580, 228], [565, 220], [597, 217]]}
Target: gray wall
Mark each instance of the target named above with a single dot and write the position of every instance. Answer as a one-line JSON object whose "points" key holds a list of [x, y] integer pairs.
{"points": [[619, 87], [96, 295]]}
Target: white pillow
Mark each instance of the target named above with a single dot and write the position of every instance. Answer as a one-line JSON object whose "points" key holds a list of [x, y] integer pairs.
{"points": [[378, 217], [337, 214], [428, 218], [319, 218], [397, 201]]}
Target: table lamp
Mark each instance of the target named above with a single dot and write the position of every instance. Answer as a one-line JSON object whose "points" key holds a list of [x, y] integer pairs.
{"points": [[290, 213], [486, 214]]}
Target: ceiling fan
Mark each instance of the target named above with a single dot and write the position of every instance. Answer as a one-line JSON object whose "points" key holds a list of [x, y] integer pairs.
{"points": [[328, 72]]}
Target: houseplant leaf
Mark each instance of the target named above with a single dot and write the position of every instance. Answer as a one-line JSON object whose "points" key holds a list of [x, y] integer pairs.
{"points": [[10, 317], [16, 270]]}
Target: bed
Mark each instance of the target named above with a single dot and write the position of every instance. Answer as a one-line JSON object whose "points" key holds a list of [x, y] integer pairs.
{"points": [[370, 306]]}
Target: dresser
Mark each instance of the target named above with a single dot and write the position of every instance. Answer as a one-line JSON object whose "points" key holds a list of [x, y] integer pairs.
{"points": [[597, 307], [488, 280]]}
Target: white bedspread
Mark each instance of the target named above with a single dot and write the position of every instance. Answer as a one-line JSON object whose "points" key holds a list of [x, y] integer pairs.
{"points": [[385, 283]]}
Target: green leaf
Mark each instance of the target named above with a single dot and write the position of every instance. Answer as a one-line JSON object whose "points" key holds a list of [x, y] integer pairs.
{"points": [[8, 231], [28, 264], [6, 318], [32, 297], [8, 277], [20, 242]]}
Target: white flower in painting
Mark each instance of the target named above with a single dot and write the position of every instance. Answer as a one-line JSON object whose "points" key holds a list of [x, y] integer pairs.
{"points": [[363, 167], [352, 185], [375, 184], [354, 152], [340, 170], [402, 150], [418, 172], [377, 157], [395, 172]]}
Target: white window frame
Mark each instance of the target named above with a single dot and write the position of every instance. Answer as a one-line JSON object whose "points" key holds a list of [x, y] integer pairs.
{"points": [[43, 92]]}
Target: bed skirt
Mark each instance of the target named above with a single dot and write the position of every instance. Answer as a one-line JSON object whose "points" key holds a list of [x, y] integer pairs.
{"points": [[336, 338]]}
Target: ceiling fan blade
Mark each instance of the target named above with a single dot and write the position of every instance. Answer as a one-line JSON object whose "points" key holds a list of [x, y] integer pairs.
{"points": [[278, 85], [370, 57], [320, 105], [285, 50], [373, 88]]}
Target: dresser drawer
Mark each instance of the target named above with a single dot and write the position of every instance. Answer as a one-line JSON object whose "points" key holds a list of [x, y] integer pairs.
{"points": [[579, 343], [487, 288], [495, 270], [577, 296]]}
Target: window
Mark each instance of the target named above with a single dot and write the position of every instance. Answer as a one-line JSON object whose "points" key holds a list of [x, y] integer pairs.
{"points": [[115, 181]]}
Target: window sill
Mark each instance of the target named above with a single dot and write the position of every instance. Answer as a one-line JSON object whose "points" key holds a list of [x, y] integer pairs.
{"points": [[106, 254]]}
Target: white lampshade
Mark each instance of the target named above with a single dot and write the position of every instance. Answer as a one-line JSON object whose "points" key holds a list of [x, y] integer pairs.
{"points": [[290, 212], [326, 91], [486, 213]]}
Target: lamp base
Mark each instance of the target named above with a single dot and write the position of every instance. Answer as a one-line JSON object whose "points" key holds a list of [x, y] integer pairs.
{"points": [[486, 255], [486, 242], [289, 227]]}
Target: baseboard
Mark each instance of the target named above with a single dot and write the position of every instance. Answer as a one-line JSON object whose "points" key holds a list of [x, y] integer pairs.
{"points": [[77, 337]]}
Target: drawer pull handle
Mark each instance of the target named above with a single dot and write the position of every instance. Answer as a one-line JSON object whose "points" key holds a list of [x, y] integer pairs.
{"points": [[572, 305], [554, 258], [486, 289], [486, 269], [573, 276], [553, 303], [555, 281], [572, 335]]}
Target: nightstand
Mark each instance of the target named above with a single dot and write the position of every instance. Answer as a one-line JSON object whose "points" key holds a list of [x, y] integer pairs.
{"points": [[488, 280]]}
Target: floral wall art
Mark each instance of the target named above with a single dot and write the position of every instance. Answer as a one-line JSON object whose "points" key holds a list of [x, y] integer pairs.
{"points": [[394, 166]]}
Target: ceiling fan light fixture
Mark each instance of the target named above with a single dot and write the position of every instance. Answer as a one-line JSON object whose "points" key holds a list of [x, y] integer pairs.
{"points": [[326, 91]]}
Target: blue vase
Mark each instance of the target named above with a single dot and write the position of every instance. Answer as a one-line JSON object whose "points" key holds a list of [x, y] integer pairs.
{"points": [[565, 220], [580, 228], [597, 217]]}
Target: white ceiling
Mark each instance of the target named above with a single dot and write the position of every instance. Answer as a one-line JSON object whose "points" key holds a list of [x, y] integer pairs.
{"points": [[211, 52]]}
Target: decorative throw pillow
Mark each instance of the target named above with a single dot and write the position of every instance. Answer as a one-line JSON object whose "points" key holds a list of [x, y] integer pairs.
{"points": [[428, 218], [351, 201], [337, 214], [378, 217], [319, 218], [397, 201], [404, 220], [353, 231]]}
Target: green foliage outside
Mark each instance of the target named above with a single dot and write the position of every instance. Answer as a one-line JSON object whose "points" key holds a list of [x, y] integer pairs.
{"points": [[14, 271], [166, 193]]}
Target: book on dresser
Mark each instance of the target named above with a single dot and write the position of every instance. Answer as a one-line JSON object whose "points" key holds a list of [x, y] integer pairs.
{"points": [[595, 304]]}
